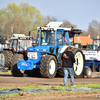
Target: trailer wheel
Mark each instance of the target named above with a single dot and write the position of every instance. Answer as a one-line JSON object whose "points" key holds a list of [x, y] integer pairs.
{"points": [[48, 66], [79, 62], [99, 68], [14, 70], [88, 72]]}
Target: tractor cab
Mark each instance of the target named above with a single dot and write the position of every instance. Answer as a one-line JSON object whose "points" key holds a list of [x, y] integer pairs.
{"points": [[19, 42], [51, 39], [96, 44], [3, 43]]}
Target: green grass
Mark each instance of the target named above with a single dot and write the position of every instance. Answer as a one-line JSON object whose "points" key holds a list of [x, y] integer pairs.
{"points": [[9, 72], [3, 88], [35, 87], [78, 86], [13, 95], [68, 92], [17, 94], [50, 87], [25, 88]]}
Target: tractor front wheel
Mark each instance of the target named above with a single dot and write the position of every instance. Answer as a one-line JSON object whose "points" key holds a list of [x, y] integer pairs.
{"points": [[14, 70], [48, 66]]}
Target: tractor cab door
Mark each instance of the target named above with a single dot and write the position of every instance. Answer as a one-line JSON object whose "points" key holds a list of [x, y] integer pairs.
{"points": [[14, 44], [59, 40]]}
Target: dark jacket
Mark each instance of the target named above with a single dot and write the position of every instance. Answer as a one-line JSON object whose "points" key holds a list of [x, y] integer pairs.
{"points": [[68, 59]]}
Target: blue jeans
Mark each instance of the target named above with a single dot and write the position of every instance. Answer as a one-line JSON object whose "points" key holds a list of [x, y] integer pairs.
{"points": [[69, 71]]}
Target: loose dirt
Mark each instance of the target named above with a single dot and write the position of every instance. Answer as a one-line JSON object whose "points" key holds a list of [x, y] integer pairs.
{"points": [[53, 95], [9, 81]]}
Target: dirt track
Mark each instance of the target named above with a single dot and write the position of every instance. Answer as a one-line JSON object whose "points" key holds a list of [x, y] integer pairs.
{"points": [[9, 80]]}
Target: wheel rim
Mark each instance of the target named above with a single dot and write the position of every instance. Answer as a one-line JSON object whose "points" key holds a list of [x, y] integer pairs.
{"points": [[78, 66], [52, 67], [2, 59]]}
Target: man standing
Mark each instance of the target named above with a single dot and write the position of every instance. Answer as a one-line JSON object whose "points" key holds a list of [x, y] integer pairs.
{"points": [[67, 64]]}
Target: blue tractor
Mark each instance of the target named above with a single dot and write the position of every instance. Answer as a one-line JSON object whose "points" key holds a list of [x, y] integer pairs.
{"points": [[45, 53]]}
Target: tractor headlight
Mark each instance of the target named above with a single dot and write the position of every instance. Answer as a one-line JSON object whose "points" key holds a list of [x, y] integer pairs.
{"points": [[32, 55]]}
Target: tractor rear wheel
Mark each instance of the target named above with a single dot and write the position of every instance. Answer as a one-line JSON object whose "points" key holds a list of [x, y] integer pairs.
{"points": [[14, 70], [60, 72], [79, 63], [2, 60], [7, 55], [5, 58], [48, 66]]}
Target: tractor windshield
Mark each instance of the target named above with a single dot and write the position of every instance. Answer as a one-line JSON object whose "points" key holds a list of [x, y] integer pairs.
{"points": [[20, 44], [96, 44], [24, 43], [47, 37]]}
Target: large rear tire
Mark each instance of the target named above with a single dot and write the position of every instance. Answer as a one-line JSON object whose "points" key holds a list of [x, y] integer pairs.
{"points": [[14, 70], [2, 60], [6, 58], [79, 63], [60, 70], [48, 66], [7, 55]]}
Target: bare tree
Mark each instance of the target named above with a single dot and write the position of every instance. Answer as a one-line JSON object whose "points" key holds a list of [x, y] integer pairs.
{"points": [[84, 33], [17, 25], [47, 19], [67, 24], [94, 29]]}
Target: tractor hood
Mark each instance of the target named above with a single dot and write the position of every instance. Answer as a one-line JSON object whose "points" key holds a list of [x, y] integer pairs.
{"points": [[38, 48]]}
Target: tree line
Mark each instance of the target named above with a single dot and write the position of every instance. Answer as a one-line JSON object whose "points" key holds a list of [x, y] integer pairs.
{"points": [[20, 19]]}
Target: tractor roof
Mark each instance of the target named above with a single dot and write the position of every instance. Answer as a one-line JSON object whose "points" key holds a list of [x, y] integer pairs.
{"points": [[20, 36], [56, 25]]}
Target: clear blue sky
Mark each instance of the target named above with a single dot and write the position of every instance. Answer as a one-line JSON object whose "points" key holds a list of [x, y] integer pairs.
{"points": [[78, 12]]}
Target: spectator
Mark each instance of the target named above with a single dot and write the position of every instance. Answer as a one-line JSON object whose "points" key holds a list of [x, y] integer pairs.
{"points": [[67, 64]]}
